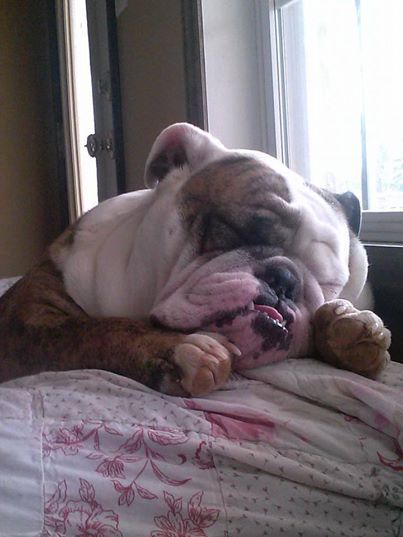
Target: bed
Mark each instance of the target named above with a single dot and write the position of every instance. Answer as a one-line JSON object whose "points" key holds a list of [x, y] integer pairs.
{"points": [[292, 449]]}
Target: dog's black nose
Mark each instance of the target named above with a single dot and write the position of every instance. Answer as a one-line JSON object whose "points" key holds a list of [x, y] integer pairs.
{"points": [[283, 282], [280, 282]]}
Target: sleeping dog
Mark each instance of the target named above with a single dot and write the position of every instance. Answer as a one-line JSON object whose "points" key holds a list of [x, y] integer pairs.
{"points": [[228, 260]]}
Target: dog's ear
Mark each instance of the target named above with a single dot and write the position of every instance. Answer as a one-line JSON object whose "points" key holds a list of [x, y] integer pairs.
{"points": [[179, 145], [352, 209]]}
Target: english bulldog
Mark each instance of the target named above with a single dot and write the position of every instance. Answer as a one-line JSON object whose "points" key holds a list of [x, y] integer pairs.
{"points": [[229, 260]]}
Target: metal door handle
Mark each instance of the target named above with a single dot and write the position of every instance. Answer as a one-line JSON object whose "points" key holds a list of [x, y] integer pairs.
{"points": [[94, 146]]}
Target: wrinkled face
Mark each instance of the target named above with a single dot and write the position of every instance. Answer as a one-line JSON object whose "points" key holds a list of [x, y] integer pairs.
{"points": [[266, 251]]}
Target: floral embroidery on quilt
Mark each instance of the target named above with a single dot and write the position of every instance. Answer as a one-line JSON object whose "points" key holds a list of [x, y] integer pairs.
{"points": [[71, 440], [188, 522], [82, 516], [203, 457], [124, 463]]}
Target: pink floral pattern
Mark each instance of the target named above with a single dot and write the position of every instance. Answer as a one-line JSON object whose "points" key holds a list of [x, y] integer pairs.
{"points": [[81, 517], [140, 463], [203, 457], [127, 461], [142, 450], [71, 440], [191, 523]]}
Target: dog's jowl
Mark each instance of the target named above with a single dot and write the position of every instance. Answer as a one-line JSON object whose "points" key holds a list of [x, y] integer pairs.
{"points": [[228, 260]]}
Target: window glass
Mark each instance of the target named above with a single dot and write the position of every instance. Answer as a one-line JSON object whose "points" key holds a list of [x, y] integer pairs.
{"points": [[342, 85]]}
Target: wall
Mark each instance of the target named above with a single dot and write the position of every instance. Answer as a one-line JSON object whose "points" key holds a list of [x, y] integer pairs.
{"points": [[235, 105], [25, 162], [150, 40], [153, 96]]}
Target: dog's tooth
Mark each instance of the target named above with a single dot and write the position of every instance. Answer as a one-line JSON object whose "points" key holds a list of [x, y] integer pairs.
{"points": [[251, 305]]}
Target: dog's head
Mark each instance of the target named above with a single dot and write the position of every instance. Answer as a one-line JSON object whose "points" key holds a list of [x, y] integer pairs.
{"points": [[253, 250]]}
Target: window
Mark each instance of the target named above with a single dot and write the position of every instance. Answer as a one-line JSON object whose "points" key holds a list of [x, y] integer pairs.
{"points": [[339, 91], [319, 84]]}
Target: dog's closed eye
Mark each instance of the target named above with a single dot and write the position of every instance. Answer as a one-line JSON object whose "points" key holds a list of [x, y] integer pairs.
{"points": [[218, 234]]}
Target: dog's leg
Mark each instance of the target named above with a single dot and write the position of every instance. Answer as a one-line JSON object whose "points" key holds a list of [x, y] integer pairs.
{"points": [[43, 329], [350, 338]]}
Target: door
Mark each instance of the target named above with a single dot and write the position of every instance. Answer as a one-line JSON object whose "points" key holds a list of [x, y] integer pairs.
{"points": [[102, 36], [88, 57]]}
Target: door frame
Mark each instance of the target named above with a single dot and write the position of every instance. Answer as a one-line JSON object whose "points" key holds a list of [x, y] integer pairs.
{"points": [[69, 110]]}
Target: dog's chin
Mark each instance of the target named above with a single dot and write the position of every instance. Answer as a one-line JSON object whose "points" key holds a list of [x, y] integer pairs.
{"points": [[262, 338]]}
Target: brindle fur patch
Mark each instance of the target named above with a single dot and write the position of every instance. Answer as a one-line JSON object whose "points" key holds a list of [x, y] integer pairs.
{"points": [[238, 201], [43, 329], [64, 242]]}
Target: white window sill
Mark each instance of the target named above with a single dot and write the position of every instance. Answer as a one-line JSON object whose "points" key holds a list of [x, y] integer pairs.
{"points": [[382, 227]]}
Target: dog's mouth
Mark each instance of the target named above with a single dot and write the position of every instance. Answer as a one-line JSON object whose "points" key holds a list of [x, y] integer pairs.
{"points": [[257, 309], [270, 312], [272, 324]]}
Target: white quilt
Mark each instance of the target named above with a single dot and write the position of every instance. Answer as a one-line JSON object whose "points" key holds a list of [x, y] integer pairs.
{"points": [[298, 449]]}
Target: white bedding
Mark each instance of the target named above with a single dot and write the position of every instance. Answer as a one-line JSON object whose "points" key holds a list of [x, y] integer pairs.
{"points": [[298, 449]]}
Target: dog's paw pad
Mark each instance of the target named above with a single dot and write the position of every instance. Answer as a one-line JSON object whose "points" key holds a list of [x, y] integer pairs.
{"points": [[205, 360], [352, 339]]}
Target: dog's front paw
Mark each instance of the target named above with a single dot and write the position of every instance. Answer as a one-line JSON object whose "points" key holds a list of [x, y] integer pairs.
{"points": [[351, 339], [204, 360]]}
